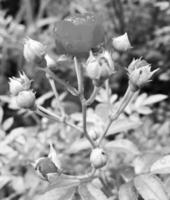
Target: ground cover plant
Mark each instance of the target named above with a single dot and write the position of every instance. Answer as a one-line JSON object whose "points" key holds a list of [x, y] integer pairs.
{"points": [[80, 139]]}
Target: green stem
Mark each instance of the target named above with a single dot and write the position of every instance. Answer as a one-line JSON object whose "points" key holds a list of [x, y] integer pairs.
{"points": [[84, 177], [48, 114], [68, 87], [92, 96], [59, 106], [124, 102], [84, 113]]}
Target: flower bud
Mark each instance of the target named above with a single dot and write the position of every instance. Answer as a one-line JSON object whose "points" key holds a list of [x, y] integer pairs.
{"points": [[137, 63], [44, 166], [98, 158], [106, 65], [92, 67], [47, 165], [26, 99], [93, 134], [139, 73], [121, 43], [34, 51], [17, 85], [54, 157]]}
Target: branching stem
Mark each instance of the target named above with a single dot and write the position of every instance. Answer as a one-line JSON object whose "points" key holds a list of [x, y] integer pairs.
{"points": [[124, 102]]}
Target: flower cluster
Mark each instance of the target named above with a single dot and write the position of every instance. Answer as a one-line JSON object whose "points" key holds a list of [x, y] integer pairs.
{"points": [[20, 88]]}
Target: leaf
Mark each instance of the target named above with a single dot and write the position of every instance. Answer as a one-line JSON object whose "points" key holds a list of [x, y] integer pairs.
{"points": [[8, 123], [143, 162], [61, 180], [79, 145], [102, 96], [150, 187], [6, 150], [90, 192], [122, 145], [127, 192], [123, 125], [154, 99], [144, 110], [4, 180], [161, 166], [63, 193], [14, 134]]}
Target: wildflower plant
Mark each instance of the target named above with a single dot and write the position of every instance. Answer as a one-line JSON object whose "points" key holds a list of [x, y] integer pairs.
{"points": [[77, 37]]}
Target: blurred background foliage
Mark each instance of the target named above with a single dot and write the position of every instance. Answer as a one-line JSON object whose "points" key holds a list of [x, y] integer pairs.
{"points": [[148, 26], [146, 22]]}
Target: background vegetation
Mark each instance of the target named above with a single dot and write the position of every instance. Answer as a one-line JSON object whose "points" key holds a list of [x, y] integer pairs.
{"points": [[24, 136]]}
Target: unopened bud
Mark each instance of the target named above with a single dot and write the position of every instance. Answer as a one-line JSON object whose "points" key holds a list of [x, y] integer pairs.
{"points": [[106, 65], [17, 85], [93, 134], [45, 166], [54, 156], [98, 158], [92, 67], [26, 99], [34, 51], [137, 63], [121, 43], [139, 73]]}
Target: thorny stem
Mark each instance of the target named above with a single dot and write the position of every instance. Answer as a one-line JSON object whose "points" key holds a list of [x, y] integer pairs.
{"points": [[126, 99], [48, 114], [92, 96], [79, 74]]}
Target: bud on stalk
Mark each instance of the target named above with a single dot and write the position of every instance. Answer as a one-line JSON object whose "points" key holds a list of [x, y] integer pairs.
{"points": [[17, 85], [121, 43], [34, 51], [98, 158], [26, 99]]}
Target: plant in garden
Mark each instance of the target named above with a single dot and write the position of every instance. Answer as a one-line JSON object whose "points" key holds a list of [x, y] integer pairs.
{"points": [[78, 36]]}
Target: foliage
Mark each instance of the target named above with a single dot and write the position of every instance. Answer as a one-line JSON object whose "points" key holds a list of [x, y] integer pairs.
{"points": [[72, 117]]}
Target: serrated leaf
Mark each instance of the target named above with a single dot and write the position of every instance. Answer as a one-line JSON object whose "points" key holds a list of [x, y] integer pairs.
{"points": [[127, 192], [123, 145], [8, 123], [90, 192], [154, 99], [150, 187], [161, 166], [64, 193], [123, 125]]}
